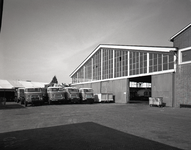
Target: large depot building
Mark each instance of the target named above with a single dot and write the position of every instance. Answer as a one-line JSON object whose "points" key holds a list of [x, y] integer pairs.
{"points": [[111, 69]]}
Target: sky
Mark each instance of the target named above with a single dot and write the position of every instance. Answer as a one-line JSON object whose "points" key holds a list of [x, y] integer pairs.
{"points": [[40, 39]]}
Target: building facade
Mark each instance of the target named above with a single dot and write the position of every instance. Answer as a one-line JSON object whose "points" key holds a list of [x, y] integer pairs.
{"points": [[182, 41], [111, 68]]}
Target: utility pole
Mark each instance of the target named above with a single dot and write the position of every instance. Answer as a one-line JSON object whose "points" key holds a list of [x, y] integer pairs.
{"points": [[1, 12]]}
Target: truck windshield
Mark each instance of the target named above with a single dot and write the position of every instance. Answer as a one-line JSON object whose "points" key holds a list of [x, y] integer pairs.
{"points": [[33, 90], [21, 90], [88, 90], [72, 90], [56, 89]]}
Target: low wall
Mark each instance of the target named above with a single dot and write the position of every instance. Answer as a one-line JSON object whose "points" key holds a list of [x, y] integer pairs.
{"points": [[183, 85], [162, 86]]}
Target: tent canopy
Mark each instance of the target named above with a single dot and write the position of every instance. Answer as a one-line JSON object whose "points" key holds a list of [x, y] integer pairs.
{"points": [[10, 84]]}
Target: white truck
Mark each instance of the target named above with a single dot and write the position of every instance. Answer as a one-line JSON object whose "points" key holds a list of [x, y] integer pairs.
{"points": [[72, 95], [56, 94], [33, 95], [86, 95]]}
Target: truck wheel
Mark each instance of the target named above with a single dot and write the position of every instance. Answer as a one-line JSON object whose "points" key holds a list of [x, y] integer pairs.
{"points": [[26, 103], [50, 102]]}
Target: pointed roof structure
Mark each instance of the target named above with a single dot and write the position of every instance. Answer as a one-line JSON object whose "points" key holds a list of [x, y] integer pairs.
{"points": [[5, 84], [15, 83], [11, 84]]}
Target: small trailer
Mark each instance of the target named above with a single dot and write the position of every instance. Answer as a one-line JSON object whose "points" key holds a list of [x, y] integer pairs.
{"points": [[157, 101], [104, 97]]}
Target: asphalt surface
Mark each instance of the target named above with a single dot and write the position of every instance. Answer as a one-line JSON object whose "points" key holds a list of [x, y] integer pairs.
{"points": [[94, 126]]}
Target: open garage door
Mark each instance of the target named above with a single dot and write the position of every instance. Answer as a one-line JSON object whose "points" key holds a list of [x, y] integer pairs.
{"points": [[140, 89]]}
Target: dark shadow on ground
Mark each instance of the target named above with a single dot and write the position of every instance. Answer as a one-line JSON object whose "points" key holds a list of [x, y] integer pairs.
{"points": [[11, 105], [86, 136]]}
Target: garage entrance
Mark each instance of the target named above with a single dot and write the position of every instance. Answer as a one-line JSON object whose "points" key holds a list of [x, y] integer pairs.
{"points": [[140, 89], [9, 94]]}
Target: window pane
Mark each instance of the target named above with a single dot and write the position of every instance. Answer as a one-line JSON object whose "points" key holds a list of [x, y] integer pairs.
{"points": [[151, 62], [145, 62], [137, 62], [141, 63], [165, 63], [155, 62], [159, 62], [131, 63], [171, 62], [186, 55]]}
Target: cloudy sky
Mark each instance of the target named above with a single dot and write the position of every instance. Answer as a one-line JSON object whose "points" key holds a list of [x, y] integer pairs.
{"points": [[43, 38]]}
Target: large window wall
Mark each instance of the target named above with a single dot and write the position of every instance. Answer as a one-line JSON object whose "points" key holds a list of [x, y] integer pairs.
{"points": [[121, 63], [88, 71], [138, 62], [107, 64], [81, 75], [115, 63], [160, 62], [75, 78], [97, 66]]}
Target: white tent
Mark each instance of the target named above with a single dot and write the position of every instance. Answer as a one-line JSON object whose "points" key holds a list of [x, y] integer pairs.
{"points": [[15, 83], [26, 84], [38, 84], [4, 84], [11, 84]]}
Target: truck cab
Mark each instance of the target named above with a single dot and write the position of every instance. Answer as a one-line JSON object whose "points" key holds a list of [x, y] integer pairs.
{"points": [[20, 95], [56, 94], [86, 95], [33, 96], [72, 94]]}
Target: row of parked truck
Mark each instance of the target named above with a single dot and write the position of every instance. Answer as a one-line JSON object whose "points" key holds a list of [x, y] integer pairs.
{"points": [[54, 94]]}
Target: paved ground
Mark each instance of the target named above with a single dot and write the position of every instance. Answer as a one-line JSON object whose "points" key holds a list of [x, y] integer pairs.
{"points": [[94, 126]]}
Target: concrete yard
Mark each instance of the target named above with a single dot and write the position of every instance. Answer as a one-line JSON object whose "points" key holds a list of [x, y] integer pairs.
{"points": [[94, 126]]}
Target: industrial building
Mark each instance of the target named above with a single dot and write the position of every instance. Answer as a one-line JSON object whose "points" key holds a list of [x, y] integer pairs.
{"points": [[113, 69]]}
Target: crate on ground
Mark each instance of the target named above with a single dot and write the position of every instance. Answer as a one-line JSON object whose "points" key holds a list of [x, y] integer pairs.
{"points": [[105, 97], [156, 101]]}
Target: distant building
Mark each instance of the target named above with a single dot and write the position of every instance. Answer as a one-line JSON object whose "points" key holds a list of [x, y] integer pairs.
{"points": [[111, 69]]}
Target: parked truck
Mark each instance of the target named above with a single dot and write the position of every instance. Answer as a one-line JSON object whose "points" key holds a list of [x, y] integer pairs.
{"points": [[56, 94], [20, 95], [86, 95], [33, 96], [44, 95], [72, 95]]}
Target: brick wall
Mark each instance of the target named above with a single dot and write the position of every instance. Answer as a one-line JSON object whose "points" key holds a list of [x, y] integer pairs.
{"points": [[183, 72], [183, 40], [183, 85]]}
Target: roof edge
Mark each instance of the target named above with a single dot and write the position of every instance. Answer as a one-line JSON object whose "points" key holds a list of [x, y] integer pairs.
{"points": [[130, 47], [182, 30]]}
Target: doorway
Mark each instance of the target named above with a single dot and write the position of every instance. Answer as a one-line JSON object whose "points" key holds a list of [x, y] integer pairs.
{"points": [[140, 89]]}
